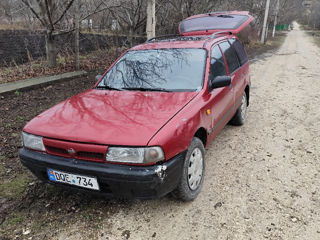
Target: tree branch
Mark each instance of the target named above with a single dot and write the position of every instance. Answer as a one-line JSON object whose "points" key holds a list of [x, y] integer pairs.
{"points": [[26, 2], [97, 11], [64, 12], [49, 15]]}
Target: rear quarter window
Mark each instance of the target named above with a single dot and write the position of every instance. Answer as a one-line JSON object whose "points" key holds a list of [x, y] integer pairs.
{"points": [[231, 56], [241, 52]]}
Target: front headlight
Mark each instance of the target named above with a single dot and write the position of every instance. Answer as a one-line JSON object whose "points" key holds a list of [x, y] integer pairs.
{"points": [[135, 155], [32, 142]]}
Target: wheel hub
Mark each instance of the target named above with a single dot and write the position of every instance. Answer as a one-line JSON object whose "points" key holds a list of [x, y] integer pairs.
{"points": [[243, 108], [195, 169]]}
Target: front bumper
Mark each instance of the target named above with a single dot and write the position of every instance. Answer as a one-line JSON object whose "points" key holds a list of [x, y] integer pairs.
{"points": [[142, 182]]}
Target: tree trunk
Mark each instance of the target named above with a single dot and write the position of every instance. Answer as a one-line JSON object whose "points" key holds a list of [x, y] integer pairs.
{"points": [[151, 19], [76, 37], [276, 19], [130, 37], [51, 50], [263, 37]]}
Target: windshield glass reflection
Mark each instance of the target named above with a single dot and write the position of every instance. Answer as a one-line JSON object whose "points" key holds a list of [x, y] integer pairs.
{"points": [[158, 69]]}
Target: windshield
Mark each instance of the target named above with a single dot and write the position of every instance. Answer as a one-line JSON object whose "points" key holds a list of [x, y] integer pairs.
{"points": [[158, 69]]}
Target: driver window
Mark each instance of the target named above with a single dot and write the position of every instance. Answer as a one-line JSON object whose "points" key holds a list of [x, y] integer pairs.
{"points": [[217, 67]]}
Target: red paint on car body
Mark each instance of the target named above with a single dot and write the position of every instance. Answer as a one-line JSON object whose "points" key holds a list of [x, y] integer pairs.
{"points": [[134, 118], [126, 118]]}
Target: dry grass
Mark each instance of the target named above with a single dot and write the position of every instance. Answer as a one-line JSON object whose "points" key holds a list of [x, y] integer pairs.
{"points": [[315, 34], [12, 27], [100, 59]]}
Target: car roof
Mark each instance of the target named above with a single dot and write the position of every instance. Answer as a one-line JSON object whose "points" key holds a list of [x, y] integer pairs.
{"points": [[181, 42]]}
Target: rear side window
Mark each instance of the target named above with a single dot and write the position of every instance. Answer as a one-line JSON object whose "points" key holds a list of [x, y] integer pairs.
{"points": [[217, 67], [243, 58], [231, 56]]}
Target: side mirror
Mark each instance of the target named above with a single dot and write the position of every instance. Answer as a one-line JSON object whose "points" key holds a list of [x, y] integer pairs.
{"points": [[219, 82], [98, 77]]}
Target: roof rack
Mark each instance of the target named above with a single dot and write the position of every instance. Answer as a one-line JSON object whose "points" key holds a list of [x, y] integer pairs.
{"points": [[164, 37], [175, 37], [213, 35], [178, 37]]}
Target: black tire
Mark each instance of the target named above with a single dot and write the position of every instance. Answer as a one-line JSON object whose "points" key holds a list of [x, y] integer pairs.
{"points": [[186, 191], [239, 117]]}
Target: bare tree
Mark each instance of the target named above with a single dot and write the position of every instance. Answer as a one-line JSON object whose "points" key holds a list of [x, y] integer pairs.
{"points": [[84, 9], [131, 16], [171, 12], [49, 13]]}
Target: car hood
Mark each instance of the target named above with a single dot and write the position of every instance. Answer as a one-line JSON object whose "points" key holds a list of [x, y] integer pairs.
{"points": [[109, 117]]}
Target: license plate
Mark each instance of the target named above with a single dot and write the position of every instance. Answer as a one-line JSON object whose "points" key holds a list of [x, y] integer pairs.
{"points": [[73, 179]]}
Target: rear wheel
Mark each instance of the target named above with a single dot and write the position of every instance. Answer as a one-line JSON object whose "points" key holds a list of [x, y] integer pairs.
{"points": [[192, 173], [240, 116]]}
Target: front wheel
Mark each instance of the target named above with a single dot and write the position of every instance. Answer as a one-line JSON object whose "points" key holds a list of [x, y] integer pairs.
{"points": [[192, 173], [240, 116]]}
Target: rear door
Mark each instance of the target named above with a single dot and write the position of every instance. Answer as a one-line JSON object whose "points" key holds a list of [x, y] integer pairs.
{"points": [[234, 67], [240, 82], [206, 24]]}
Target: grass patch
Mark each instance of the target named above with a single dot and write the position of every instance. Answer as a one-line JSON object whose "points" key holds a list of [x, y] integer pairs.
{"points": [[256, 48], [2, 169], [15, 187], [15, 218], [61, 60], [13, 221]]}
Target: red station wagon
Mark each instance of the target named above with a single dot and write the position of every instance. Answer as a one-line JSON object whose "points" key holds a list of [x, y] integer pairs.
{"points": [[141, 131]]}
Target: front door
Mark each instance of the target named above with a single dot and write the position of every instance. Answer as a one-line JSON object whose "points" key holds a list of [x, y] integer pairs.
{"points": [[221, 100]]}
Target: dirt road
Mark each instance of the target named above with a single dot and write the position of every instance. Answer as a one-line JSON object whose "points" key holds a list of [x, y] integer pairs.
{"points": [[263, 179]]}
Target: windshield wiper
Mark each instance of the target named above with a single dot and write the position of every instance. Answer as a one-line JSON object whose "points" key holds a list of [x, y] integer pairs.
{"points": [[109, 88], [147, 89]]}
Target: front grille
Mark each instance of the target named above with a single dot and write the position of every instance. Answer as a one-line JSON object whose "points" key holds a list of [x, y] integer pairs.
{"points": [[81, 155], [56, 150], [90, 155]]}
